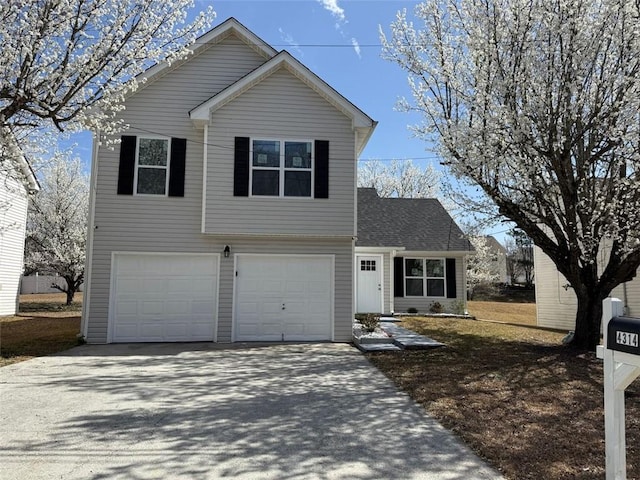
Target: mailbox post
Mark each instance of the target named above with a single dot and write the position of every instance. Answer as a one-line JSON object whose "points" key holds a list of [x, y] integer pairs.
{"points": [[621, 355]]}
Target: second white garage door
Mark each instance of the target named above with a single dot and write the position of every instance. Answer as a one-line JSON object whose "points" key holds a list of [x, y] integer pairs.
{"points": [[163, 297], [283, 298]]}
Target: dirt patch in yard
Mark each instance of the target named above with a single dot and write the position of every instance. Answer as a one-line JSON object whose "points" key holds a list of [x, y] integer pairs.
{"points": [[45, 326], [531, 407], [25, 337], [516, 313]]}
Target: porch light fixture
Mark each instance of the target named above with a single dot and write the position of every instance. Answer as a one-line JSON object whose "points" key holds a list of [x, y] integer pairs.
{"points": [[226, 251]]}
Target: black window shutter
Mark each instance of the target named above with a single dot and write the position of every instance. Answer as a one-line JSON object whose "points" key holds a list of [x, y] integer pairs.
{"points": [[127, 164], [398, 276], [451, 278], [321, 182], [241, 167], [176, 165]]}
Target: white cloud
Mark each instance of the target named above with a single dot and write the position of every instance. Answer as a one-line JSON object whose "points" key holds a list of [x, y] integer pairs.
{"points": [[286, 37], [333, 7], [356, 47]]}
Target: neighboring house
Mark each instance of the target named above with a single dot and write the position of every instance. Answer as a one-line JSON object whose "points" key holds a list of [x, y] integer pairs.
{"points": [[227, 212], [409, 254], [15, 188], [556, 303], [498, 259]]}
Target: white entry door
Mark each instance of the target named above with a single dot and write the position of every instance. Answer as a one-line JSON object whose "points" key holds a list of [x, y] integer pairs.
{"points": [[369, 281], [283, 298]]}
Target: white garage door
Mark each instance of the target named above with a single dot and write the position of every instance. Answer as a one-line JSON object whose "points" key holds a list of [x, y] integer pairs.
{"points": [[163, 298], [283, 298]]}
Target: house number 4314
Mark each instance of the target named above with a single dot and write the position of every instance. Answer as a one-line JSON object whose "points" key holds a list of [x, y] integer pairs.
{"points": [[625, 338]]}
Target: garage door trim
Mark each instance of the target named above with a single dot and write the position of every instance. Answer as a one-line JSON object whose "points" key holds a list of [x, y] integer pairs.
{"points": [[112, 285], [330, 257]]}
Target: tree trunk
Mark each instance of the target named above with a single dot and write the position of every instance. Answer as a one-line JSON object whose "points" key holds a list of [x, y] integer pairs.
{"points": [[588, 320], [70, 293], [72, 287]]}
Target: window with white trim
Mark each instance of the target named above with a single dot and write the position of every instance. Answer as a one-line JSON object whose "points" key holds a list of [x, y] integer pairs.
{"points": [[152, 166], [424, 277], [282, 168]]}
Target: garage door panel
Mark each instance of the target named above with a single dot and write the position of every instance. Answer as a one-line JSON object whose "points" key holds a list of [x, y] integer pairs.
{"points": [[202, 307], [160, 298], [302, 283]]}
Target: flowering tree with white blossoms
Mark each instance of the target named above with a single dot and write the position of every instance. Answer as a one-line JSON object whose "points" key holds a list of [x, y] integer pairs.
{"points": [[536, 103], [480, 266], [400, 179], [57, 224], [66, 65]]}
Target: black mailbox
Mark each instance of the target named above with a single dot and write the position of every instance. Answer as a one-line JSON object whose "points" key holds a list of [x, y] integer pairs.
{"points": [[623, 335]]}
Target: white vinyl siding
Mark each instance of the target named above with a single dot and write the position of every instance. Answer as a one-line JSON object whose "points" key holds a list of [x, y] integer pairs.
{"points": [[280, 107], [13, 216], [556, 302]]}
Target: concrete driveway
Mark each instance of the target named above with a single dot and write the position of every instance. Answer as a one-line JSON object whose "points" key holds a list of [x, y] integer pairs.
{"points": [[204, 411]]}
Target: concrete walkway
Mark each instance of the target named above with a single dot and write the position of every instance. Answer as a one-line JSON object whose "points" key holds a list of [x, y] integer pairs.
{"points": [[205, 411]]}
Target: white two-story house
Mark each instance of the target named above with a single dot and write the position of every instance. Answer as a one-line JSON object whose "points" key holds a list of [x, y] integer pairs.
{"points": [[227, 211]]}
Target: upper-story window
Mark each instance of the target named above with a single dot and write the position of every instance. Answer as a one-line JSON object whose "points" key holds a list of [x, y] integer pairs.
{"points": [[152, 166], [424, 277], [282, 168]]}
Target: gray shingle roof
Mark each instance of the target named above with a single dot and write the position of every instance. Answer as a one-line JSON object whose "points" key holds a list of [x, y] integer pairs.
{"points": [[420, 224]]}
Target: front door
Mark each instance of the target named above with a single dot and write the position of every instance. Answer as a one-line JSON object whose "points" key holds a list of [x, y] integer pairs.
{"points": [[369, 284]]}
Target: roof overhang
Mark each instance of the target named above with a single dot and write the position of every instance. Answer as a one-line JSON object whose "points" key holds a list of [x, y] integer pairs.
{"points": [[361, 122], [29, 179]]}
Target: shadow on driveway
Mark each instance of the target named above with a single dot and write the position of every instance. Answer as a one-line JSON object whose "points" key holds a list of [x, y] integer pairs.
{"points": [[202, 411]]}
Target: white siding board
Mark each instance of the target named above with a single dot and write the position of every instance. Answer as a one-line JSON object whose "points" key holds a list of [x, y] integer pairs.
{"points": [[13, 216]]}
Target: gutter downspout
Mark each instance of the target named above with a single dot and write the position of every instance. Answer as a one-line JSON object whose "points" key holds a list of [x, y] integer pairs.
{"points": [[84, 323]]}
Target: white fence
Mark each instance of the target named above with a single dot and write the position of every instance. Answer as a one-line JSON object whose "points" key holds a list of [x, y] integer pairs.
{"points": [[41, 284]]}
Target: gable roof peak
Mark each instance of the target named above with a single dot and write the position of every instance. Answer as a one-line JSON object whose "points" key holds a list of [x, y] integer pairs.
{"points": [[218, 33]]}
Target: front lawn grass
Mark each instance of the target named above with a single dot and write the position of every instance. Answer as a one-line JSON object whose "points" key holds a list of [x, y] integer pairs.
{"points": [[49, 327], [531, 407], [519, 313]]}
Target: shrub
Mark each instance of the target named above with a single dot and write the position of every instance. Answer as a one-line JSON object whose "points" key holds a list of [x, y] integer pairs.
{"points": [[436, 307], [370, 321], [412, 310]]}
